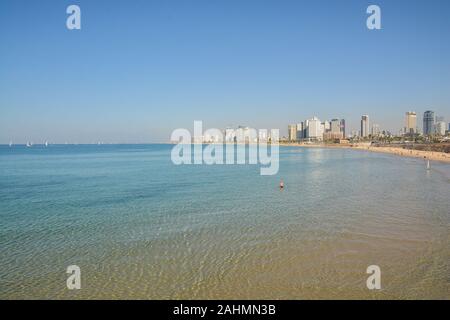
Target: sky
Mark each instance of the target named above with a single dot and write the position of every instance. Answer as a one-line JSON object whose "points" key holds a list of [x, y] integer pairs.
{"points": [[137, 70]]}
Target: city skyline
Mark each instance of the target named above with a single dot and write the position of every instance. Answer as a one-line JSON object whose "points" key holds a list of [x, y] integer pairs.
{"points": [[157, 67], [315, 128], [336, 129]]}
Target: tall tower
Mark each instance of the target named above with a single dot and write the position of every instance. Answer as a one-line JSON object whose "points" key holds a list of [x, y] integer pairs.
{"points": [[292, 132], [300, 131], [365, 126], [314, 131], [428, 122], [343, 128], [411, 122]]}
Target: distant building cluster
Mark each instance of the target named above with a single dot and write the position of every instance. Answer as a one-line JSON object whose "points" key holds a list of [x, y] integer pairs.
{"points": [[241, 134], [315, 130], [432, 125]]}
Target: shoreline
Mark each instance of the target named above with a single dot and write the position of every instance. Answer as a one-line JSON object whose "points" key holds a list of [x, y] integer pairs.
{"points": [[419, 154]]}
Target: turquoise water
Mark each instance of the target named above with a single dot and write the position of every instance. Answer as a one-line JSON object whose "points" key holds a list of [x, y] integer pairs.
{"points": [[140, 227]]}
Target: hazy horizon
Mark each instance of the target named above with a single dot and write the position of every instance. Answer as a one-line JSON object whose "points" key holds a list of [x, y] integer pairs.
{"points": [[138, 70]]}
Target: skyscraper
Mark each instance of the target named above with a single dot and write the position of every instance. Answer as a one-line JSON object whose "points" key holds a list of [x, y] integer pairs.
{"points": [[440, 128], [292, 132], [300, 131], [365, 126], [335, 126], [343, 128], [411, 122], [314, 129], [335, 131], [428, 122]]}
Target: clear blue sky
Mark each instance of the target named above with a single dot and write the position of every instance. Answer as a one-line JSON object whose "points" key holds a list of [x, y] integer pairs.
{"points": [[139, 69]]}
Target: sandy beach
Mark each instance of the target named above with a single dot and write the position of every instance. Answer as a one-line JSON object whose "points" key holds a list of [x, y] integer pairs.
{"points": [[429, 155]]}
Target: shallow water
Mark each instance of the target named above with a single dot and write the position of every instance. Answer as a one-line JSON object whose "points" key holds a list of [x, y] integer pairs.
{"points": [[140, 227]]}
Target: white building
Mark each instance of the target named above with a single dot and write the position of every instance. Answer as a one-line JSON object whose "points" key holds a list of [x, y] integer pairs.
{"points": [[440, 128], [365, 126], [314, 130]]}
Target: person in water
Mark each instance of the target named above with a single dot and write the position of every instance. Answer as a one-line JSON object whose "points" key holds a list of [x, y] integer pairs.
{"points": [[281, 184]]}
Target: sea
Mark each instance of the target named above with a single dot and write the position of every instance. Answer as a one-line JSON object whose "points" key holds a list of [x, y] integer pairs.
{"points": [[140, 227]]}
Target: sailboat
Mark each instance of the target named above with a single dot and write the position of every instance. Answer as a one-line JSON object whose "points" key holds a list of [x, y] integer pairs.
{"points": [[10, 143], [428, 165], [29, 144], [46, 143]]}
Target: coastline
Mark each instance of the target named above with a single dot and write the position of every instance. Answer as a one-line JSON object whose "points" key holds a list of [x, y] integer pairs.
{"points": [[428, 155]]}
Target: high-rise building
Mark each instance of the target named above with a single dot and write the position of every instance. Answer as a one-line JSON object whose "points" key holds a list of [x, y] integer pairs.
{"points": [[343, 128], [411, 122], [365, 126], [428, 122], [292, 132], [335, 130], [326, 126], [335, 126], [300, 131], [440, 128], [305, 128], [314, 130]]}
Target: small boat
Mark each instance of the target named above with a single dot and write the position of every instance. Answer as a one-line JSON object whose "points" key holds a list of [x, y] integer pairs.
{"points": [[29, 144], [10, 143], [46, 143], [281, 184], [428, 165]]}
